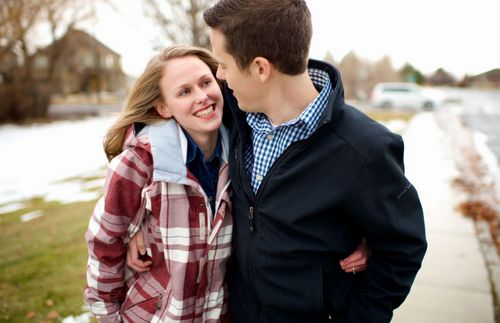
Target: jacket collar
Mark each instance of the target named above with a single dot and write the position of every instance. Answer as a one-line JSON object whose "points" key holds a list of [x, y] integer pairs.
{"points": [[335, 102], [169, 148]]}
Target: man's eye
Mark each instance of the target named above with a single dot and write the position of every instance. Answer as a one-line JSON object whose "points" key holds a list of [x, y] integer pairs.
{"points": [[206, 83]]}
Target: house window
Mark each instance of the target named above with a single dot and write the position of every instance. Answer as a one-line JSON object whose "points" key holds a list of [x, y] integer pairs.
{"points": [[87, 59], [41, 62], [109, 63]]}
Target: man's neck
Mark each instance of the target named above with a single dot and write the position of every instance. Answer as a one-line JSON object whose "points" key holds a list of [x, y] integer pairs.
{"points": [[288, 97]]}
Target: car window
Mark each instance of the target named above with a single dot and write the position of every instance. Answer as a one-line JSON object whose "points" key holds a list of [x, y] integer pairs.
{"points": [[397, 90]]}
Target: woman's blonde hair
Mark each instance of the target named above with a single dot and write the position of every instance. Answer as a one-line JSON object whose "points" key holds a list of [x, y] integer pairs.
{"points": [[146, 93]]}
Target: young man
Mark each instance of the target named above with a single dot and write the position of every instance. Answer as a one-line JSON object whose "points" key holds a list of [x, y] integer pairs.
{"points": [[311, 176]]}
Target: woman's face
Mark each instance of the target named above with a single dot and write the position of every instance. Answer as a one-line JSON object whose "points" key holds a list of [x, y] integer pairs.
{"points": [[191, 96]]}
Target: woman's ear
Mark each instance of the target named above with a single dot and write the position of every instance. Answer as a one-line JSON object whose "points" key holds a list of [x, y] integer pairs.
{"points": [[163, 111]]}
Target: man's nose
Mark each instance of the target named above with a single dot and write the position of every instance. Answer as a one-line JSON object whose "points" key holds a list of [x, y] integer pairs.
{"points": [[221, 75]]}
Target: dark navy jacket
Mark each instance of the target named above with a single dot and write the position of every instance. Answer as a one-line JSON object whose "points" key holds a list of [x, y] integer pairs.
{"points": [[321, 196]]}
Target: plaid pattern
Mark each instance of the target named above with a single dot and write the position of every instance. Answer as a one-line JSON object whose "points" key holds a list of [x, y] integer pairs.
{"points": [[189, 251], [269, 141]]}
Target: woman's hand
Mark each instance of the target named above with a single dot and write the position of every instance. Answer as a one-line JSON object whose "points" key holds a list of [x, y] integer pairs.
{"points": [[136, 254], [357, 261]]}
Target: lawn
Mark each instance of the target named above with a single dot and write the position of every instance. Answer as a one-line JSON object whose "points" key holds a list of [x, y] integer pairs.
{"points": [[43, 262], [387, 115]]}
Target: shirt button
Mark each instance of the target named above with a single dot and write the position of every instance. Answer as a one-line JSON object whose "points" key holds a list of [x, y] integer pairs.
{"points": [[258, 177], [270, 137], [210, 199]]}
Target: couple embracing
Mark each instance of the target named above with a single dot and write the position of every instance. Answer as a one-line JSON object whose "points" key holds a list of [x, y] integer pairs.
{"points": [[242, 188]]}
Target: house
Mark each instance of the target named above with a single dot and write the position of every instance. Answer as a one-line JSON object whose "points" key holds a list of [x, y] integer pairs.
{"points": [[441, 78], [81, 64], [490, 80]]}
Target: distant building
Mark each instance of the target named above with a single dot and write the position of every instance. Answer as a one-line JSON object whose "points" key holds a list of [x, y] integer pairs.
{"points": [[441, 78], [490, 80], [83, 64]]}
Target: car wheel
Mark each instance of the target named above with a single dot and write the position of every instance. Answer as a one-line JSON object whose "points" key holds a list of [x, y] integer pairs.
{"points": [[428, 105], [387, 105]]}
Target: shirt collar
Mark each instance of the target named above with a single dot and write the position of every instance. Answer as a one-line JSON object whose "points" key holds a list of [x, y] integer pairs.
{"points": [[259, 122], [193, 151]]}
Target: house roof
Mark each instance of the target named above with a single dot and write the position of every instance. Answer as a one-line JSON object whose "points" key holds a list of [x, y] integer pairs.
{"points": [[492, 75], [80, 36]]}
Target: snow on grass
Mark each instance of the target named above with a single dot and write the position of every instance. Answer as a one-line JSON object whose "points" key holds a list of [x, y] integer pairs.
{"points": [[31, 215], [12, 207], [82, 318], [37, 158], [492, 175]]}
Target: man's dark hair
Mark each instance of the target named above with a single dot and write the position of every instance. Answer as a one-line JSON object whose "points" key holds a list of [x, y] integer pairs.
{"points": [[278, 30]]}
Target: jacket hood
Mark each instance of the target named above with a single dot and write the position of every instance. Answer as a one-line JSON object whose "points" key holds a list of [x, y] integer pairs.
{"points": [[168, 146]]}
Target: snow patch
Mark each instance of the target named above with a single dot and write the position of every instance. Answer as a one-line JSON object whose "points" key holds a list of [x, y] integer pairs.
{"points": [[31, 215], [12, 207], [396, 125], [38, 157], [83, 318], [488, 158]]}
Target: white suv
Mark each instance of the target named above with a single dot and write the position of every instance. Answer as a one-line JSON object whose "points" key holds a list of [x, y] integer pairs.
{"points": [[399, 95]]}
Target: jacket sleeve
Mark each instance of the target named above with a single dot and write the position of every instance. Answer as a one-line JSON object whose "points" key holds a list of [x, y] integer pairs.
{"points": [[387, 206], [116, 214]]}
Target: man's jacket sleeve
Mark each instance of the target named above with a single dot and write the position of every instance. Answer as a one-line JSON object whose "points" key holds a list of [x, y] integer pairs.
{"points": [[387, 207], [116, 215]]}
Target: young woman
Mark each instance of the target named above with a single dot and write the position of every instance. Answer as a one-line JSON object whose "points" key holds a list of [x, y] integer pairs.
{"points": [[168, 177]]}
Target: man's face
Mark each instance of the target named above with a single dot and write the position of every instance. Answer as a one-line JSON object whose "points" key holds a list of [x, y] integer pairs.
{"points": [[244, 85]]}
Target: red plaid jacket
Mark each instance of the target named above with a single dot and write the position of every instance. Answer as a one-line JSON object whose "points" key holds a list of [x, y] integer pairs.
{"points": [[148, 187]]}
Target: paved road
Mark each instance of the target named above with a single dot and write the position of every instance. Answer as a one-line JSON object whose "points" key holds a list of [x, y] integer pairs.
{"points": [[453, 285]]}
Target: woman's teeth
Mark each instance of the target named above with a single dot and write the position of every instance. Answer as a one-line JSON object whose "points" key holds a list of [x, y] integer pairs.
{"points": [[205, 112]]}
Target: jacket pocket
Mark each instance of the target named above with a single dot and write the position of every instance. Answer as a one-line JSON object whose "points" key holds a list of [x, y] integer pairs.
{"points": [[142, 300], [295, 290], [336, 288]]}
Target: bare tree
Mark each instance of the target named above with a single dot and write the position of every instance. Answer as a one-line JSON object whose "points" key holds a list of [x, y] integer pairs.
{"points": [[381, 71], [21, 97], [353, 71], [181, 21]]}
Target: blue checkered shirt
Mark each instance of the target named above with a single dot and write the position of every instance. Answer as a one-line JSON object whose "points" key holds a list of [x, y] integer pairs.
{"points": [[270, 141]]}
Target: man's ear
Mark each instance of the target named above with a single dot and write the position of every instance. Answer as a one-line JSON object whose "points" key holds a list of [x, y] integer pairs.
{"points": [[262, 68], [163, 111]]}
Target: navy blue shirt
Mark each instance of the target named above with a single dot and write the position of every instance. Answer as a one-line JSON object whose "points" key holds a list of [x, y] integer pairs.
{"points": [[206, 171]]}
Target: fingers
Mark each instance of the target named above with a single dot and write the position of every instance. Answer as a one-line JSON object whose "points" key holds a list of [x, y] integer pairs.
{"points": [[133, 256], [358, 266], [139, 240], [355, 269], [347, 267], [358, 260], [354, 264]]}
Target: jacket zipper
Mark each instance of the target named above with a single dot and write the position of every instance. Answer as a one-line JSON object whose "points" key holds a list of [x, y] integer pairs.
{"points": [[250, 217], [252, 208]]}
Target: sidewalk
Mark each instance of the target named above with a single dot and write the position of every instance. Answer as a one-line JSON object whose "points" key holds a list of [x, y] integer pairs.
{"points": [[453, 284]]}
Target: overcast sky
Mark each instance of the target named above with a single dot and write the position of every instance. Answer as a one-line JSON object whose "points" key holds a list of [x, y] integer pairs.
{"points": [[460, 36]]}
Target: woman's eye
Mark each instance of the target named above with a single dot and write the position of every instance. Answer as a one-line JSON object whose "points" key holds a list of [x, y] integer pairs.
{"points": [[184, 92]]}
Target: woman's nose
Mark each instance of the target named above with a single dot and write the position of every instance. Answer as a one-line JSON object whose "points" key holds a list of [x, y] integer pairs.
{"points": [[201, 96]]}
